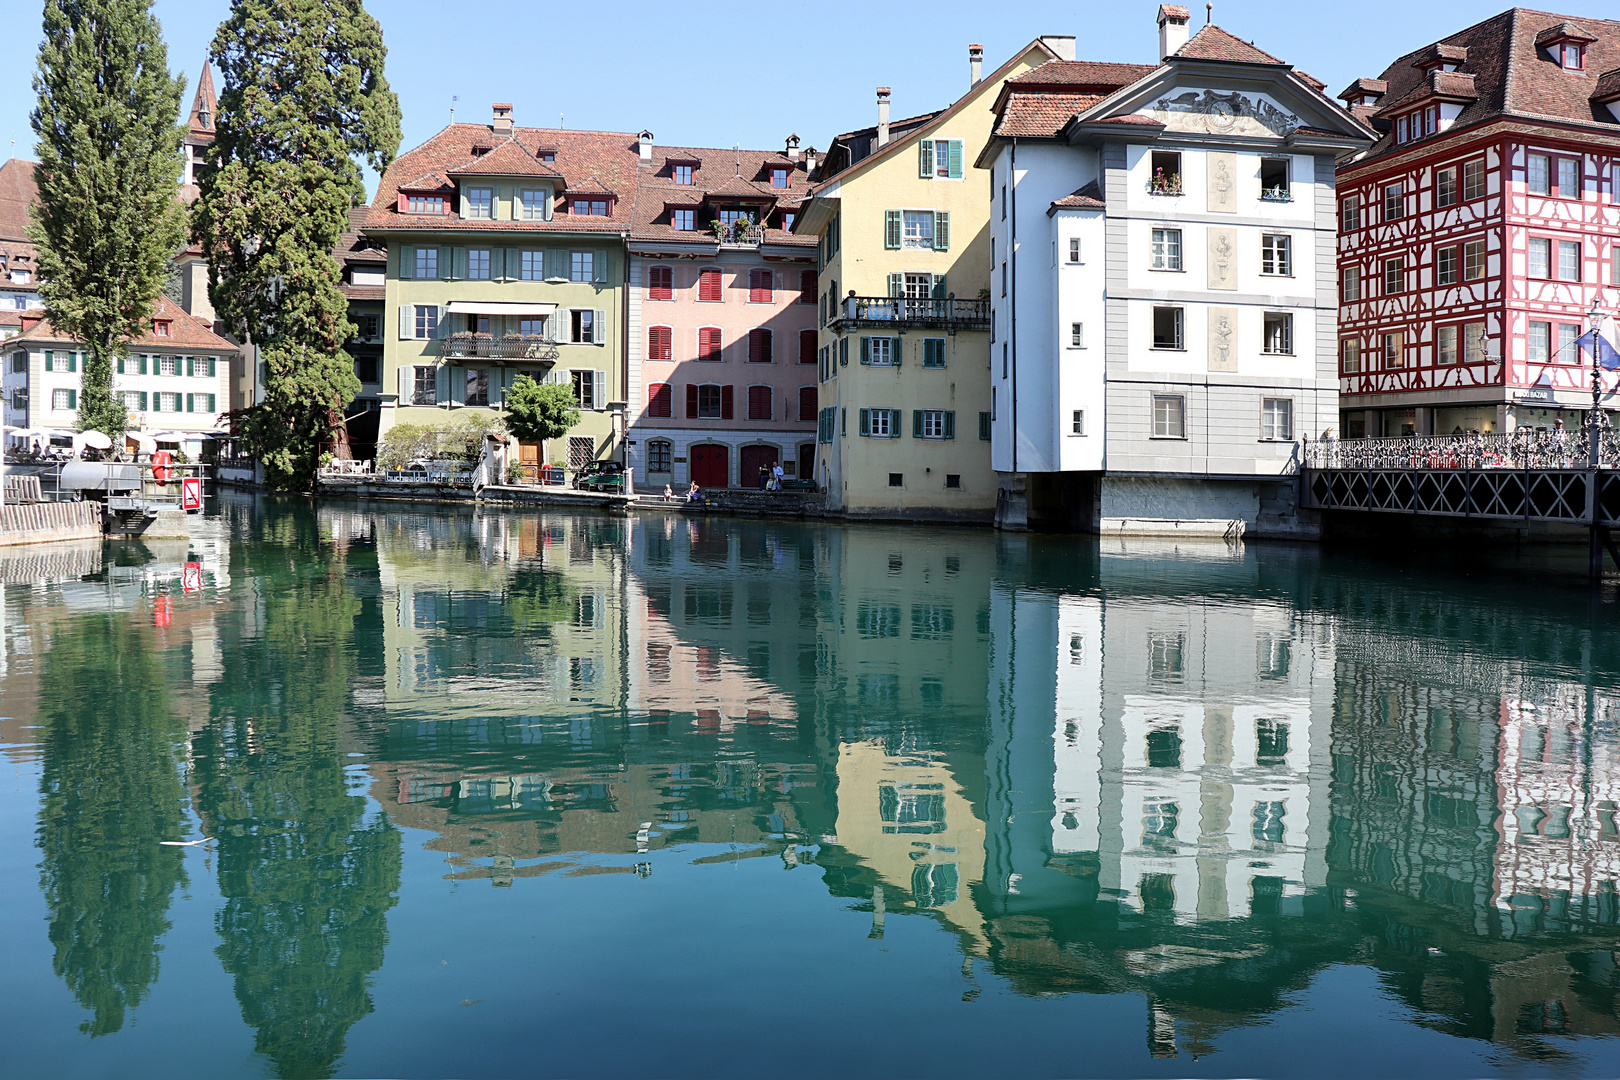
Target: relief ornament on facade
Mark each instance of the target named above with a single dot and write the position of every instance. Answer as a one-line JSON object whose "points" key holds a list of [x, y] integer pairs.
{"points": [[1224, 114]]}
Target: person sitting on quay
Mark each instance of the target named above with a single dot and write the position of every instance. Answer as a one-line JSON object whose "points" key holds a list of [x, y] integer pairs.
{"points": [[668, 494], [694, 494]]}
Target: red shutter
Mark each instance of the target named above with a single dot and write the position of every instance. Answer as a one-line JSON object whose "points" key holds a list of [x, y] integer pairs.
{"points": [[726, 408], [759, 403], [709, 344], [691, 401], [659, 343], [661, 283], [759, 286], [658, 400], [807, 286], [807, 403], [709, 284], [807, 346], [759, 346]]}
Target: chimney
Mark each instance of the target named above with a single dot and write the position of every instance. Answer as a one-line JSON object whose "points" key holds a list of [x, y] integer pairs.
{"points": [[503, 118], [809, 161], [792, 148], [1173, 20], [975, 65], [1062, 44], [644, 145], [883, 116]]}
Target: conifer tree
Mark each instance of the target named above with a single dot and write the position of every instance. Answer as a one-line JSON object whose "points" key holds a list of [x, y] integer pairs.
{"points": [[303, 97], [109, 160]]}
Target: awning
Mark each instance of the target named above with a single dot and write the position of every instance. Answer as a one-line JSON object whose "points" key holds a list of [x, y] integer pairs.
{"points": [[498, 307]]}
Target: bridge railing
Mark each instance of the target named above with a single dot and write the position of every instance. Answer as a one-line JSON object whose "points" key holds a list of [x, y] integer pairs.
{"points": [[1521, 449]]}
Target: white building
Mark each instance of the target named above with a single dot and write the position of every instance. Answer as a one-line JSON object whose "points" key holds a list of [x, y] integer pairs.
{"points": [[175, 377], [1163, 293]]}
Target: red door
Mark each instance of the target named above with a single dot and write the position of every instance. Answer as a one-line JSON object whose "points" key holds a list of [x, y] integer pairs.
{"points": [[710, 466], [749, 462]]}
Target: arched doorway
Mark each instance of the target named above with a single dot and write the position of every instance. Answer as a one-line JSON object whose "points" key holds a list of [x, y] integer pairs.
{"points": [[711, 466], [750, 461]]}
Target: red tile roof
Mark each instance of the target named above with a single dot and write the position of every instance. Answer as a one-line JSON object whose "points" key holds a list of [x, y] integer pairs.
{"points": [[1088, 197], [17, 193], [1041, 101], [1213, 43], [1607, 88], [1174, 10], [1365, 88], [204, 101], [1073, 74], [185, 332], [1512, 76], [353, 247], [507, 159]]}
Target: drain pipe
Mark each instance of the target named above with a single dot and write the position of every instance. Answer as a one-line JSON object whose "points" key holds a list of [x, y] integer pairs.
{"points": [[1012, 307]]}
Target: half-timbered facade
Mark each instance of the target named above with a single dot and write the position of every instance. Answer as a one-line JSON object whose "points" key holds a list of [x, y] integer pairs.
{"points": [[1475, 235]]}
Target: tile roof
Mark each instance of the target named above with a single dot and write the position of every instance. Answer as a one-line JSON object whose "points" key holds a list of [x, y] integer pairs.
{"points": [[353, 247], [717, 175], [1213, 43], [1174, 11], [204, 101], [1365, 88], [1565, 30], [1041, 114], [1088, 197], [1511, 75], [1607, 88], [431, 181], [507, 159], [1077, 73], [1041, 101], [185, 331], [593, 186]]}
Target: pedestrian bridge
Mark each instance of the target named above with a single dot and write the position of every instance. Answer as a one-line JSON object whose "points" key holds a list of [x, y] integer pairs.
{"points": [[1524, 476]]}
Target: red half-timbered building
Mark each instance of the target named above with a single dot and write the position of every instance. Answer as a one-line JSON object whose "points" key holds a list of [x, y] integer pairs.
{"points": [[1475, 234]]}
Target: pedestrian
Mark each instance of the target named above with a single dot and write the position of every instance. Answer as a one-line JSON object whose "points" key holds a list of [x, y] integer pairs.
{"points": [[776, 476], [764, 477]]}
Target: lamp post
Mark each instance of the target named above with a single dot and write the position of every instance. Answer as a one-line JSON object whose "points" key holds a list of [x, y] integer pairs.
{"points": [[1594, 422]]}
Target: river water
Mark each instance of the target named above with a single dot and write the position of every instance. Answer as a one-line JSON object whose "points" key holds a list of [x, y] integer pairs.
{"points": [[552, 795]]}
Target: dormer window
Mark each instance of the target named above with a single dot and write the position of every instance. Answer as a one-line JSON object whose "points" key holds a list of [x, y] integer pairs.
{"points": [[160, 327], [588, 207], [547, 156], [682, 174], [779, 178], [1571, 57], [425, 204]]}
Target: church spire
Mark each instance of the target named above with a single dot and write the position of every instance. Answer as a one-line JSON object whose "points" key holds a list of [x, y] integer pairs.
{"points": [[204, 106]]}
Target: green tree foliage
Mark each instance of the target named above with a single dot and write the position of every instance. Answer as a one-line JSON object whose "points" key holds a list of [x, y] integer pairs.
{"points": [[303, 97], [111, 786], [306, 872], [109, 158], [458, 439], [537, 411]]}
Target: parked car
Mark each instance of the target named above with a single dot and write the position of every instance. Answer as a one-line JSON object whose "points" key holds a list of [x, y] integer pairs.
{"points": [[600, 476]]}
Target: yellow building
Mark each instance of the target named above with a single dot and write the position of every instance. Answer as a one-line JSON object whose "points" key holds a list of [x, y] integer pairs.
{"points": [[904, 290]]}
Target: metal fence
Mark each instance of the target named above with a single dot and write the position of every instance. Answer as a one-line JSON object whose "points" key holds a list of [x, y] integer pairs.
{"points": [[1521, 449]]}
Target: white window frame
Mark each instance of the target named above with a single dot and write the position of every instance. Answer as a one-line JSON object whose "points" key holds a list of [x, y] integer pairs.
{"points": [[872, 350], [1350, 356], [1475, 254], [1276, 419], [916, 242], [583, 383], [581, 338], [425, 385], [1077, 335], [872, 423], [1181, 328], [480, 209], [1538, 351], [1284, 347], [1074, 251], [1538, 174], [1077, 423], [933, 423], [535, 201], [1564, 249], [1472, 181], [425, 320], [1350, 284], [1543, 245], [1168, 422], [61, 399], [1166, 249], [1276, 255]]}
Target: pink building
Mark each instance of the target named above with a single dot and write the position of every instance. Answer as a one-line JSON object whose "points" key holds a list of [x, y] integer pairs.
{"points": [[722, 320]]}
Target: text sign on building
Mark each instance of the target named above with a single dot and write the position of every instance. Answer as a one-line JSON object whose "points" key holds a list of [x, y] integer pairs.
{"points": [[191, 493]]}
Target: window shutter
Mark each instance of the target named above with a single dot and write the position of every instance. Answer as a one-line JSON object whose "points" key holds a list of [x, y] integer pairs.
{"points": [[896, 417], [925, 159], [441, 322], [939, 287], [444, 262], [691, 401], [210, 398], [807, 286], [556, 264], [726, 408], [191, 368], [599, 265], [143, 401], [656, 395], [807, 403], [807, 346], [866, 350], [73, 361], [984, 426], [191, 403], [894, 351], [406, 376], [950, 423], [843, 352], [407, 329], [599, 328], [955, 156], [456, 378], [756, 339], [891, 230], [407, 262], [897, 284], [601, 394], [916, 423], [141, 365], [866, 421], [942, 230], [441, 386], [460, 270], [73, 399], [499, 261]]}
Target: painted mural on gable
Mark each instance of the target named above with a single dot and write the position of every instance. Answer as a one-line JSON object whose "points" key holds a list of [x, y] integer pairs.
{"points": [[1210, 112]]}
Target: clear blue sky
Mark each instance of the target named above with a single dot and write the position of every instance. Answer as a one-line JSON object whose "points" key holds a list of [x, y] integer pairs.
{"points": [[697, 76]]}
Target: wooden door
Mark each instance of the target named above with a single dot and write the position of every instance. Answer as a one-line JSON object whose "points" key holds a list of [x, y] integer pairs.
{"points": [[529, 453], [749, 461], [710, 466], [807, 461]]}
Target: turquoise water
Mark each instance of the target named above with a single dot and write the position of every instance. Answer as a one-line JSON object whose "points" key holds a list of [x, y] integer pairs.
{"points": [[515, 795]]}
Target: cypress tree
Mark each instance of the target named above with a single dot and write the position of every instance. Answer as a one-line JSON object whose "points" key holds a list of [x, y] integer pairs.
{"points": [[109, 158], [303, 97]]}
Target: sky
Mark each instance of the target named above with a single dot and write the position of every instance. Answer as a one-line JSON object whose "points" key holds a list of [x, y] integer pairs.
{"points": [[720, 76]]}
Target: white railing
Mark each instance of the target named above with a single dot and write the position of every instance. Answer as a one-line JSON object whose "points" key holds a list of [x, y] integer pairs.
{"points": [[1522, 449]]}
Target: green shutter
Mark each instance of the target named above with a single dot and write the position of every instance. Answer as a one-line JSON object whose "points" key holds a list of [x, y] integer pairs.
{"points": [[984, 426], [916, 423], [460, 270], [143, 363], [925, 159], [896, 417], [891, 230], [497, 264], [445, 257], [897, 284], [191, 369], [49, 359], [955, 155], [843, 352], [556, 260], [191, 403], [942, 230], [950, 423], [407, 262], [866, 358], [599, 262], [211, 400], [143, 401], [866, 421], [73, 361], [939, 287], [894, 352], [73, 399]]}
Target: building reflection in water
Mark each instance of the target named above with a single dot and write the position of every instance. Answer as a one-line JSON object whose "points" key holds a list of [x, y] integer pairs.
{"points": [[1252, 765]]}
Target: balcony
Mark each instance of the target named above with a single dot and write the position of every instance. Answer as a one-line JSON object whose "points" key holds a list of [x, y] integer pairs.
{"points": [[902, 312], [478, 346], [739, 234]]}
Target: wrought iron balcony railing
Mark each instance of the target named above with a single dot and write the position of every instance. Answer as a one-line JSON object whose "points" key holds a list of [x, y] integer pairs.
{"points": [[904, 311], [1523, 449], [466, 344]]}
